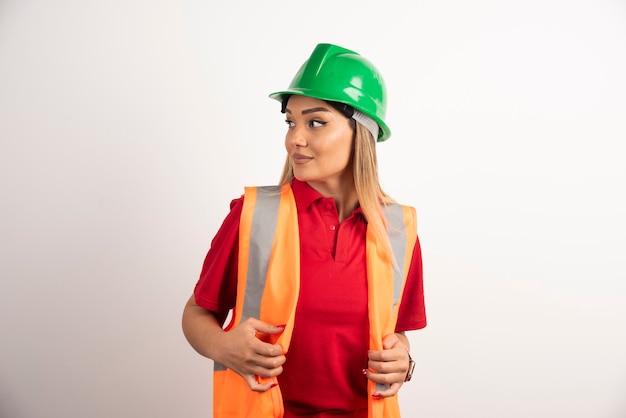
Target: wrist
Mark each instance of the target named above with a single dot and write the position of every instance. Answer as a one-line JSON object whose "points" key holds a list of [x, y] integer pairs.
{"points": [[409, 372]]}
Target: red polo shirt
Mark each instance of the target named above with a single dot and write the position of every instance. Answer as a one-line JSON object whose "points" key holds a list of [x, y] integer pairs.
{"points": [[329, 344]]}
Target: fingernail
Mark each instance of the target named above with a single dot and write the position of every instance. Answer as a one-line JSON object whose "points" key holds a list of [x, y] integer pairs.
{"points": [[281, 326], [376, 395], [274, 385], [364, 371]]}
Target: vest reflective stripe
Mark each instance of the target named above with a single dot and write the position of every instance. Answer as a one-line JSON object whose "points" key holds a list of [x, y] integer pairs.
{"points": [[397, 237], [232, 397], [268, 288], [264, 222], [385, 286], [263, 225]]}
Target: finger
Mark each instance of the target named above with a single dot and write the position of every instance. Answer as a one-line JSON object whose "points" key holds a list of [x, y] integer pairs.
{"points": [[265, 328], [395, 354], [390, 340], [379, 355], [262, 366], [261, 345], [266, 349], [268, 366], [390, 391], [386, 378], [255, 386], [387, 367], [266, 360]]}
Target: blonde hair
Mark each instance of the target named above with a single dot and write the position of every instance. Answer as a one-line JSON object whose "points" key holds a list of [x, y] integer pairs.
{"points": [[371, 196]]}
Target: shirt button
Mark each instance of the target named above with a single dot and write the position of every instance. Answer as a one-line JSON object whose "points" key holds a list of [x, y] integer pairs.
{"points": [[329, 206], [333, 227]]}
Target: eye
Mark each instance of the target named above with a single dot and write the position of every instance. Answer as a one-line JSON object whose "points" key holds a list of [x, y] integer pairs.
{"points": [[316, 123], [289, 123]]}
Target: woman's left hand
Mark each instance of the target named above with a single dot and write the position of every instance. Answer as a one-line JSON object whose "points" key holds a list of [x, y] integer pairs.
{"points": [[389, 365]]}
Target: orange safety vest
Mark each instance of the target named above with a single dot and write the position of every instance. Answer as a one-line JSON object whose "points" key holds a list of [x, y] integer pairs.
{"points": [[268, 287]]}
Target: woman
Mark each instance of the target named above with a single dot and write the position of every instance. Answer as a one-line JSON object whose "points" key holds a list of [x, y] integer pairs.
{"points": [[322, 273]]}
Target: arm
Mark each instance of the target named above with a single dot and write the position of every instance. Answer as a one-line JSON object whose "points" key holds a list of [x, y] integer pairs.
{"points": [[216, 291], [238, 349], [404, 340]]}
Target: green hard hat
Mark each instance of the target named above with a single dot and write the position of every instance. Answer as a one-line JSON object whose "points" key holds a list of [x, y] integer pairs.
{"points": [[337, 74]]}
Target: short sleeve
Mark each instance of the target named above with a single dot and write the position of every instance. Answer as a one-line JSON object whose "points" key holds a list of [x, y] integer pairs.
{"points": [[412, 313], [216, 289]]}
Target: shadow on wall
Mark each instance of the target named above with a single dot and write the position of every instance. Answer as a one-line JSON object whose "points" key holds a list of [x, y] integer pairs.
{"points": [[8, 405]]}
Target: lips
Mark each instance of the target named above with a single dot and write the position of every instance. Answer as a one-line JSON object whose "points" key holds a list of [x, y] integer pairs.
{"points": [[300, 158]]}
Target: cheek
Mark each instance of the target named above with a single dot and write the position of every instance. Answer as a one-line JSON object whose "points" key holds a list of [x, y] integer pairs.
{"points": [[345, 153], [336, 154], [286, 141], [344, 147]]}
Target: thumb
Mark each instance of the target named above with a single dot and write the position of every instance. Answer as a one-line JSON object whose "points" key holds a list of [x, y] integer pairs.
{"points": [[255, 386], [266, 328], [389, 341]]}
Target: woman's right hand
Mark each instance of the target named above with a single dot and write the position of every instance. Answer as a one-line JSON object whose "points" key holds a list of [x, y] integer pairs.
{"points": [[242, 351]]}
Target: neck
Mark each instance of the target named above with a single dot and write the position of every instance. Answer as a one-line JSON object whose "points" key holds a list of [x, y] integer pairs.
{"points": [[346, 203], [342, 192]]}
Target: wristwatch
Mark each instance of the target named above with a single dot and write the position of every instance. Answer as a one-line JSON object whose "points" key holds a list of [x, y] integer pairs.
{"points": [[409, 373]]}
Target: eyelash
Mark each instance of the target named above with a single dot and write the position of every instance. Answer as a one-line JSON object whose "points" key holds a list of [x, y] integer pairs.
{"points": [[291, 123]]}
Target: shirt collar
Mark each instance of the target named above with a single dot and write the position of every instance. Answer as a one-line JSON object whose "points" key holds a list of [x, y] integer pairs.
{"points": [[305, 195]]}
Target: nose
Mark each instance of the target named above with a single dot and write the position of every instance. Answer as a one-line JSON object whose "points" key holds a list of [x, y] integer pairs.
{"points": [[296, 137]]}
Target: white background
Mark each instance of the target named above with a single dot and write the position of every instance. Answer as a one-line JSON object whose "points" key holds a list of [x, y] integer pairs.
{"points": [[127, 126]]}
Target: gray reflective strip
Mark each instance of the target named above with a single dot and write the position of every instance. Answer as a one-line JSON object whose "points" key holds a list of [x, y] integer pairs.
{"points": [[262, 233], [382, 387], [263, 229], [396, 231]]}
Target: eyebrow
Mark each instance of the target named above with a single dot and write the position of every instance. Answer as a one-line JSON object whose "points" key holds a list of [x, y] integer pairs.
{"points": [[311, 110]]}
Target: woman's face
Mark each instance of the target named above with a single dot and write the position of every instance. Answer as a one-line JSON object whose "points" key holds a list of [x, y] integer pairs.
{"points": [[319, 142]]}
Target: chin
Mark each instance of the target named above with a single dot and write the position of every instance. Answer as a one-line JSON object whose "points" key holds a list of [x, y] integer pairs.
{"points": [[303, 177]]}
